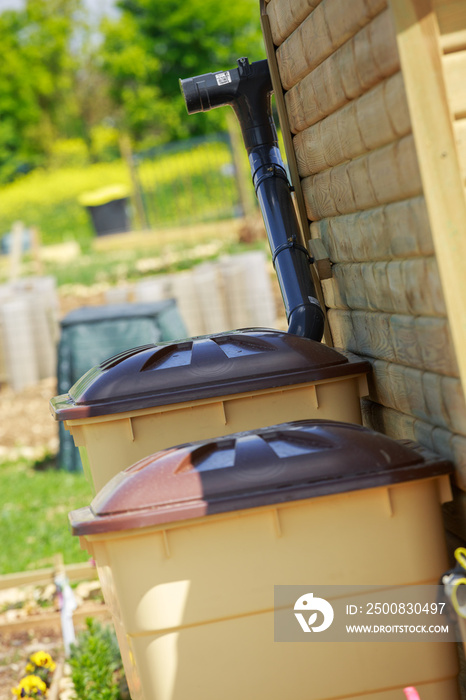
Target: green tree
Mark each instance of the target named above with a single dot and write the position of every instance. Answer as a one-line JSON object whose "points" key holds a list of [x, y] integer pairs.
{"points": [[133, 76], [37, 99], [155, 43]]}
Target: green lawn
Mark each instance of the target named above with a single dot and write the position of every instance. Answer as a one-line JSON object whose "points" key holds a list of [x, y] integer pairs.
{"points": [[49, 200], [34, 506], [178, 188]]}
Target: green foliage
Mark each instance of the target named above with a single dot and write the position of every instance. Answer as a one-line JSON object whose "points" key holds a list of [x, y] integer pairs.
{"points": [[69, 153], [184, 186], [104, 143], [49, 200], [154, 43], [36, 81], [59, 84], [96, 667], [134, 73], [180, 187], [197, 36], [34, 507]]}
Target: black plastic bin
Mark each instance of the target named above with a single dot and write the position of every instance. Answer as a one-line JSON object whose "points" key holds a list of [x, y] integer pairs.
{"points": [[111, 217], [108, 209]]}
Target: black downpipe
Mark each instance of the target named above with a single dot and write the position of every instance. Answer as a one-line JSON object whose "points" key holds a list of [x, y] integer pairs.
{"points": [[248, 90]]}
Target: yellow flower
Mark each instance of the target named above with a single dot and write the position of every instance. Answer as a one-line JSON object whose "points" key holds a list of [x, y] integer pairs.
{"points": [[43, 659], [30, 687]]}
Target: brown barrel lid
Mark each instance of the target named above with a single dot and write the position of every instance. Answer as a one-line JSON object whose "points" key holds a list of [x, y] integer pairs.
{"points": [[287, 462], [199, 368]]}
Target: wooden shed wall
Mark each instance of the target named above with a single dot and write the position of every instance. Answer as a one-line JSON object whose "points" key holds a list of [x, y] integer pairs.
{"points": [[347, 107]]}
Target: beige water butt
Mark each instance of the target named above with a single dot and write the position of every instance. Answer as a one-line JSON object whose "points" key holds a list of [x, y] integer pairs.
{"points": [[190, 542], [156, 396]]}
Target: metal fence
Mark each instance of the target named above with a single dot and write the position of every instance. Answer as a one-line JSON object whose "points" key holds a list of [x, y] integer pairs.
{"points": [[188, 182]]}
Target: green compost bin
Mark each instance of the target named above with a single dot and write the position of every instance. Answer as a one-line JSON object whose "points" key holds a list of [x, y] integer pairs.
{"points": [[92, 334]]}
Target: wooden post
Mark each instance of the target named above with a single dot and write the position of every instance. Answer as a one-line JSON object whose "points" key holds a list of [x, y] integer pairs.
{"points": [[58, 565], [421, 63], [242, 174], [35, 247], [16, 252], [127, 153]]}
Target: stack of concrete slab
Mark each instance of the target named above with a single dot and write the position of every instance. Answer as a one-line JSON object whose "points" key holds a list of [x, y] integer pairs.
{"points": [[233, 292]]}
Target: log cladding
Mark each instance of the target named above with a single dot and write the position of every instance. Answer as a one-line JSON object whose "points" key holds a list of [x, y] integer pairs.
{"points": [[361, 63], [347, 87]]}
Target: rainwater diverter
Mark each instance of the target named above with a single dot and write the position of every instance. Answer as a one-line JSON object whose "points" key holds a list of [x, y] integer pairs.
{"points": [[248, 90]]}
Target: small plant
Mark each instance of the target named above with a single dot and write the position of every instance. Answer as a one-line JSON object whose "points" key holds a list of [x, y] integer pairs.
{"points": [[42, 665], [30, 687], [40, 668], [96, 666]]}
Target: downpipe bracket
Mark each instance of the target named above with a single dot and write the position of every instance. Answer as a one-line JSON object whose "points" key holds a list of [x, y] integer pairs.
{"points": [[291, 244], [271, 170]]}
